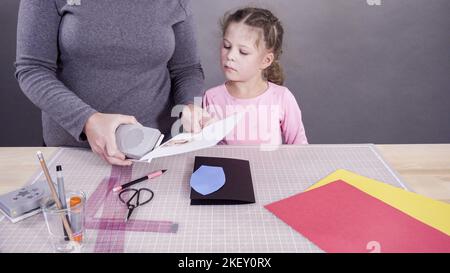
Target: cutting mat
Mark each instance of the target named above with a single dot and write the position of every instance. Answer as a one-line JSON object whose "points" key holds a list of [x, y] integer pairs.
{"points": [[236, 228]]}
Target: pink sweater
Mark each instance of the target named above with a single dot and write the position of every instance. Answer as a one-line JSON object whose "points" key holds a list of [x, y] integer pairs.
{"points": [[272, 118]]}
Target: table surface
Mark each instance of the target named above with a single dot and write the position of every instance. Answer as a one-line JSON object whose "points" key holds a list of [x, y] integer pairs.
{"points": [[425, 168], [288, 170]]}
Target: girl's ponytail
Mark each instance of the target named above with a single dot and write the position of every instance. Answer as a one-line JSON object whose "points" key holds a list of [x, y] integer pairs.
{"points": [[274, 73]]}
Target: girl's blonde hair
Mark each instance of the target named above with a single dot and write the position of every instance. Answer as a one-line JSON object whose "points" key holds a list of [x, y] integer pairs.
{"points": [[272, 35]]}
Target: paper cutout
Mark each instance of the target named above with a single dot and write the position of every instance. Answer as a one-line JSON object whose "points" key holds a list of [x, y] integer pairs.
{"points": [[207, 179], [187, 142], [238, 188], [338, 217], [429, 211]]}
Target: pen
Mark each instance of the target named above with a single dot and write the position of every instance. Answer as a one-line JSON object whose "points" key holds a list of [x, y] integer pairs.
{"points": [[61, 192], [149, 176], [53, 191]]}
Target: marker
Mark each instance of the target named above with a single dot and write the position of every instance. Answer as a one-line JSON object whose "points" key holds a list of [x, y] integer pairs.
{"points": [[75, 217], [61, 194], [150, 176]]}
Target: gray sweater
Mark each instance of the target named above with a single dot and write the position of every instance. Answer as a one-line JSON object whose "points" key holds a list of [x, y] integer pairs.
{"points": [[134, 57]]}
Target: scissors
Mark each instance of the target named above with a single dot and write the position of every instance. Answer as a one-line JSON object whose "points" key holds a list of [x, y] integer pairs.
{"points": [[136, 195]]}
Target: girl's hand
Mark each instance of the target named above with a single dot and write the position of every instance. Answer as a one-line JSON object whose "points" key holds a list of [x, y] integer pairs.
{"points": [[100, 130], [195, 118]]}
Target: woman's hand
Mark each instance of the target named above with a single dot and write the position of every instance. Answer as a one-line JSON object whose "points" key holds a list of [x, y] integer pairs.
{"points": [[100, 130], [195, 118]]}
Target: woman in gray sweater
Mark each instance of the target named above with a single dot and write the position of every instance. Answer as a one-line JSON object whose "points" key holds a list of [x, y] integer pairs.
{"points": [[93, 65]]}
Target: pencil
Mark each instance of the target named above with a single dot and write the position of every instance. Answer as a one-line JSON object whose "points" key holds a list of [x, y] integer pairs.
{"points": [[149, 176], [54, 194]]}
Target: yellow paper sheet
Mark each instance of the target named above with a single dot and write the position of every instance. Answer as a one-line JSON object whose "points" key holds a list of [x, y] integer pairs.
{"points": [[429, 211]]}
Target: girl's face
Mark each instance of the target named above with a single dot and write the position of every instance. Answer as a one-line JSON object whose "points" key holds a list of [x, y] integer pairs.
{"points": [[242, 58]]}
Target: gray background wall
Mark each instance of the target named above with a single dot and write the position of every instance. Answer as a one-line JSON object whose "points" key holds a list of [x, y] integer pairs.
{"points": [[361, 74]]}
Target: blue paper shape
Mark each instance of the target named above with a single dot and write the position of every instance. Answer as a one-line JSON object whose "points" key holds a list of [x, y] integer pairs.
{"points": [[207, 179]]}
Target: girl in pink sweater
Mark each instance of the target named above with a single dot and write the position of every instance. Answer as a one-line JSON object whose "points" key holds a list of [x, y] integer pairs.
{"points": [[251, 48]]}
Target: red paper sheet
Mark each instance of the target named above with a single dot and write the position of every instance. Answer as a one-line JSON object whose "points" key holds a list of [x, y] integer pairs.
{"points": [[340, 218]]}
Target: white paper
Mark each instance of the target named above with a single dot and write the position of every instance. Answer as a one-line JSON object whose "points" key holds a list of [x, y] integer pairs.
{"points": [[187, 142]]}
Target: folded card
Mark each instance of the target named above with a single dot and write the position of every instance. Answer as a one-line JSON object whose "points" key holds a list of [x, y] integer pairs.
{"points": [[238, 186], [188, 142]]}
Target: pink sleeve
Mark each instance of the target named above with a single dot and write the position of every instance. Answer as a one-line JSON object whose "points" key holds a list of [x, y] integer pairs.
{"points": [[291, 124]]}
